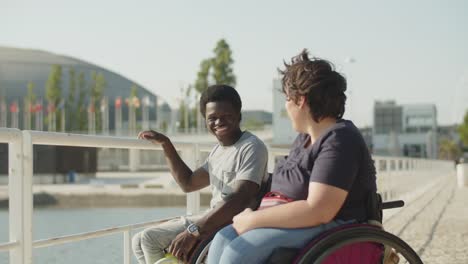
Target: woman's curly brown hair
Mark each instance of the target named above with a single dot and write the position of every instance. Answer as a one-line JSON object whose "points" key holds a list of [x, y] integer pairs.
{"points": [[317, 80]]}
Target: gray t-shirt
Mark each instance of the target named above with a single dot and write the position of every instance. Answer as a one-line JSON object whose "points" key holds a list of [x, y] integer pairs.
{"points": [[339, 158], [244, 160]]}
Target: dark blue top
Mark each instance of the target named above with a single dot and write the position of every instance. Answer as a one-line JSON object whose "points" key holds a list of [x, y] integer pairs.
{"points": [[339, 157]]}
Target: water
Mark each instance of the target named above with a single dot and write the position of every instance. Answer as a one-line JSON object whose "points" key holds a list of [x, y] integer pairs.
{"points": [[104, 250]]}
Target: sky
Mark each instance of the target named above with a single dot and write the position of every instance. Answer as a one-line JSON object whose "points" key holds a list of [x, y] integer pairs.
{"points": [[407, 51]]}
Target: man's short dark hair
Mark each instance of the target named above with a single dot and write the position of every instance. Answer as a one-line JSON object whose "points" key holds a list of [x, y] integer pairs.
{"points": [[317, 80], [220, 93]]}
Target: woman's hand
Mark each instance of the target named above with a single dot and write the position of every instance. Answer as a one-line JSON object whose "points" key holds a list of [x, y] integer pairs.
{"points": [[242, 222], [153, 136]]}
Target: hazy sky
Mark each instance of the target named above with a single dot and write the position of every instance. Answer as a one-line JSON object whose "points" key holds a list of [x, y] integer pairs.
{"points": [[409, 51]]}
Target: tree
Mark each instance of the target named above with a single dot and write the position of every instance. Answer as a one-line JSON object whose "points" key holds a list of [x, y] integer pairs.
{"points": [[29, 103], [202, 76], [184, 107], [31, 96], [463, 130], [449, 150], [54, 84], [70, 104], [98, 84], [220, 67], [54, 92], [217, 70], [223, 72], [80, 106]]}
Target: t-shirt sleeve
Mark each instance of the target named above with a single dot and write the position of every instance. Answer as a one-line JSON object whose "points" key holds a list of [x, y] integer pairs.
{"points": [[205, 165], [337, 161], [253, 163]]}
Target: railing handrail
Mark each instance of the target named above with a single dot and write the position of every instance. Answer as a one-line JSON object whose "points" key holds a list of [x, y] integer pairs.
{"points": [[99, 141], [95, 234], [9, 245]]}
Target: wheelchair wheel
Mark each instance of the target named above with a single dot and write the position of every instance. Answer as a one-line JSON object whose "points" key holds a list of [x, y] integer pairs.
{"points": [[200, 253], [338, 247]]}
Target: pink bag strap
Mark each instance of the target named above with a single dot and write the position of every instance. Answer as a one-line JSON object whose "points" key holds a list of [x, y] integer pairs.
{"points": [[278, 195]]}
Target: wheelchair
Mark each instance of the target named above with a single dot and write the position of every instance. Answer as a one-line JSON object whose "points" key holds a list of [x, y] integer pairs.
{"points": [[347, 244]]}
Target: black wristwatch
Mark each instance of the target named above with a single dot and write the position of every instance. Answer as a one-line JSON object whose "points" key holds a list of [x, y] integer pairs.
{"points": [[193, 230]]}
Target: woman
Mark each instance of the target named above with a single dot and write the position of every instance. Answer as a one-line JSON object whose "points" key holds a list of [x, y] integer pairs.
{"points": [[328, 172]]}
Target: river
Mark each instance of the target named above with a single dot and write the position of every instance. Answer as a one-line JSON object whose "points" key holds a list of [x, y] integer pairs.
{"points": [[58, 222]]}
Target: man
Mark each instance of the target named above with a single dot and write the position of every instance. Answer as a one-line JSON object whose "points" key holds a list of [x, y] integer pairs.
{"points": [[234, 169]]}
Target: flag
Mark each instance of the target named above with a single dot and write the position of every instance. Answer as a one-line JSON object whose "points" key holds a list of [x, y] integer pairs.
{"points": [[38, 107], [118, 102], [14, 107]]}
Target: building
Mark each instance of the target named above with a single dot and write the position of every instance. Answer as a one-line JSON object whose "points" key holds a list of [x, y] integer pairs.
{"points": [[20, 66], [256, 119], [283, 133], [405, 130]]}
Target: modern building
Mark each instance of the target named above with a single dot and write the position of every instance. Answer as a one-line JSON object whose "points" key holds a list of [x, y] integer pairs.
{"points": [[405, 130], [20, 66], [283, 133], [256, 119]]}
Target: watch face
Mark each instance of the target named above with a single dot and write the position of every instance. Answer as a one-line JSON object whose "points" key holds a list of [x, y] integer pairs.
{"points": [[192, 228]]}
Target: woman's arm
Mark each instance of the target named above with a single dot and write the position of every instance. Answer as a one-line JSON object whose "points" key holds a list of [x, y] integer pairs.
{"points": [[322, 204]]}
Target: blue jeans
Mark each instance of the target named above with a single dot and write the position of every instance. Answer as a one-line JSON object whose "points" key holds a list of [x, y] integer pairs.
{"points": [[255, 246]]}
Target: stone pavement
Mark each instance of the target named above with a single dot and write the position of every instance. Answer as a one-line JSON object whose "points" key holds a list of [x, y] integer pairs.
{"points": [[435, 224]]}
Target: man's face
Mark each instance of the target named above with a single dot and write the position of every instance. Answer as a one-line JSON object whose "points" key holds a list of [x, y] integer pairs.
{"points": [[222, 120]]}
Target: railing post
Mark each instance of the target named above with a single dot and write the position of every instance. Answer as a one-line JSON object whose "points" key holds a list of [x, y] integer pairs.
{"points": [[15, 189], [127, 247], [27, 194], [133, 159]]}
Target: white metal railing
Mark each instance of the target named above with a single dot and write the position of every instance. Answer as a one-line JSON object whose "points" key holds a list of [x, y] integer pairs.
{"points": [[397, 177]]}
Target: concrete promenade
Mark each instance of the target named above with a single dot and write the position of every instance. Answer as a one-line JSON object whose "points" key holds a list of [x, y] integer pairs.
{"points": [[435, 223]]}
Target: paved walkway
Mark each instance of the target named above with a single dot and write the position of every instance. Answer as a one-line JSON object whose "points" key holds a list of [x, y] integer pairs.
{"points": [[435, 224]]}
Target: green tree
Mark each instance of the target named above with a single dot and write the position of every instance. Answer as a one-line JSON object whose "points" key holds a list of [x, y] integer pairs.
{"points": [[182, 115], [70, 104], [217, 70], [463, 130], [220, 66], [134, 91], [29, 102], [449, 150], [31, 96], [222, 62], [54, 84], [202, 76], [98, 84], [54, 89], [184, 107], [80, 106]]}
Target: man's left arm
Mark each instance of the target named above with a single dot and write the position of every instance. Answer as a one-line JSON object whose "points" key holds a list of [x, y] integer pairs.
{"points": [[243, 196]]}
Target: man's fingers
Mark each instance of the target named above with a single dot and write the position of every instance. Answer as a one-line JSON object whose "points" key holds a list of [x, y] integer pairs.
{"points": [[171, 248], [178, 254]]}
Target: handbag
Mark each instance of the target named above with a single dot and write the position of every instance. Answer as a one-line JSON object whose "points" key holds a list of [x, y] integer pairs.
{"points": [[272, 199]]}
